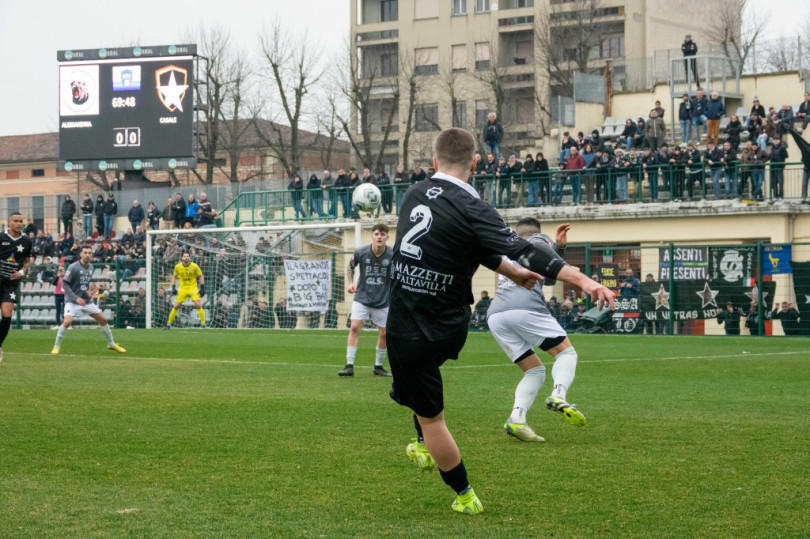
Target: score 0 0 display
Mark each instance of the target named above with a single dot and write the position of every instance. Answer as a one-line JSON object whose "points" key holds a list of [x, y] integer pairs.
{"points": [[128, 113]]}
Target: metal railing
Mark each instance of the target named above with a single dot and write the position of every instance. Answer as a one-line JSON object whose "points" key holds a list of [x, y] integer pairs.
{"points": [[595, 185]]}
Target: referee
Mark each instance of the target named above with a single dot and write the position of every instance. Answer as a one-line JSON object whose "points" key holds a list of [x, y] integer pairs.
{"points": [[444, 232]]}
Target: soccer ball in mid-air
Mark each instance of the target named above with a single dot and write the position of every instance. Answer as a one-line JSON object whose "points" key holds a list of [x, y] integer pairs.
{"points": [[366, 197]]}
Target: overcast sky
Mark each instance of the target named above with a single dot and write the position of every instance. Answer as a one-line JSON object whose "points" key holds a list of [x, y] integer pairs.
{"points": [[31, 31]]}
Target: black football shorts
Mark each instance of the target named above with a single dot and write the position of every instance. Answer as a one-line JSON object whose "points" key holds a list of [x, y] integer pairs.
{"points": [[415, 365], [9, 291]]}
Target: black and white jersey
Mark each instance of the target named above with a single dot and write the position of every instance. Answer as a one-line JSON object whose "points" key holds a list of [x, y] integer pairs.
{"points": [[76, 283], [444, 232], [14, 252], [374, 282]]}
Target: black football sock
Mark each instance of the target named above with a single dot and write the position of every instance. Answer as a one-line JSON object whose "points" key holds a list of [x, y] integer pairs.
{"points": [[456, 478], [419, 437], [5, 325]]}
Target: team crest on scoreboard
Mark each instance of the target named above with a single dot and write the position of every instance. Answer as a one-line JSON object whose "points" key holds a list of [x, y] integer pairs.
{"points": [[171, 84]]}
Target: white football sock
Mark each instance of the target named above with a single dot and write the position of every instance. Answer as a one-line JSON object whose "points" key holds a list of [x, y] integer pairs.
{"points": [[351, 351], [60, 336], [563, 371], [108, 333], [380, 357], [526, 392]]}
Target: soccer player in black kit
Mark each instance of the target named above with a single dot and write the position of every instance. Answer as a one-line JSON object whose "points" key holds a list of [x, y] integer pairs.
{"points": [[15, 255], [444, 232]]}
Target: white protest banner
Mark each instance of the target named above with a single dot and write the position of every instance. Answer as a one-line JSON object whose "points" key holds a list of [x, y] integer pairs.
{"points": [[308, 284]]}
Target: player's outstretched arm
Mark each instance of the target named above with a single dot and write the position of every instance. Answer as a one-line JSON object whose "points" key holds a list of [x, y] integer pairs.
{"points": [[600, 295], [519, 275]]}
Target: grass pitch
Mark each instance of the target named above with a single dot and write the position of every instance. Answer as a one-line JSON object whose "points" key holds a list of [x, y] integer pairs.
{"points": [[252, 433]]}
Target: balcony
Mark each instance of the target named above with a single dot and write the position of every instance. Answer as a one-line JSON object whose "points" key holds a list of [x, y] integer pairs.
{"points": [[385, 36], [516, 24]]}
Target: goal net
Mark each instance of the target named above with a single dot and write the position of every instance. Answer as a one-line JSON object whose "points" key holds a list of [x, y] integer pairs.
{"points": [[287, 276]]}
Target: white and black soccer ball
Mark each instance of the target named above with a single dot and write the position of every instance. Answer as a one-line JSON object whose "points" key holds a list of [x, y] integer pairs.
{"points": [[366, 197]]}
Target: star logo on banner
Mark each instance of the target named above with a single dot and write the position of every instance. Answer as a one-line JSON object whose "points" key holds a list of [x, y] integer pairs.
{"points": [[707, 296], [20, 248], [754, 293], [12, 296], [661, 298], [171, 93], [807, 301]]}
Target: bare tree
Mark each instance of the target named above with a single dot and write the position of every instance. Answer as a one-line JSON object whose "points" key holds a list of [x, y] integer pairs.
{"points": [[410, 82], [733, 31], [291, 67], [364, 92], [328, 127], [101, 180], [781, 54], [565, 35], [491, 71]]}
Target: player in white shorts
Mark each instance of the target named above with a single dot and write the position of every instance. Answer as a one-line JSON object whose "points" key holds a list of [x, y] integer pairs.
{"points": [[371, 296], [520, 322], [76, 285]]}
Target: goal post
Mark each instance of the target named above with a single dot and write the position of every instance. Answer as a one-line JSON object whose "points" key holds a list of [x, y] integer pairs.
{"points": [[261, 277]]}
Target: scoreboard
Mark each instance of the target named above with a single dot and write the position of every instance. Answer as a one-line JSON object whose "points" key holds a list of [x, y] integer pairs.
{"points": [[126, 109]]}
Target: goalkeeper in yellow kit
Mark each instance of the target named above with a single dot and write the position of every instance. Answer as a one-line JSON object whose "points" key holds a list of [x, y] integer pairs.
{"points": [[187, 272]]}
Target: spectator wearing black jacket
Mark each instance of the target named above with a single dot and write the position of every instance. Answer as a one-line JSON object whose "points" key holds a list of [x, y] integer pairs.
{"points": [[803, 114], [179, 208], [206, 212], [87, 214], [417, 175], [694, 164], [110, 211], [504, 181], [629, 131], [778, 157], [697, 110], [602, 163], [752, 319], [757, 109], [136, 215], [597, 143], [67, 213], [315, 194], [153, 216], [714, 158], [296, 188], [731, 318], [685, 119], [650, 165], [689, 49], [344, 193], [754, 126], [729, 159], [99, 211], [789, 317], [543, 177], [493, 135], [30, 228], [733, 130], [383, 183]]}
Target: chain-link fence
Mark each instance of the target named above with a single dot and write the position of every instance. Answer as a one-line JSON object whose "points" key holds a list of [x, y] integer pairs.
{"points": [[739, 289]]}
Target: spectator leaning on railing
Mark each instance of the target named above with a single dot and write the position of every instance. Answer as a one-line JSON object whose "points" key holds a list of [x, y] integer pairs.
{"points": [[541, 171], [685, 119], [729, 159], [574, 164], [778, 157], [714, 158]]}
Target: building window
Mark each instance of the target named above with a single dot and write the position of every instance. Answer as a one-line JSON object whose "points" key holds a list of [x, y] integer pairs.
{"points": [[427, 117], [525, 3], [481, 5], [38, 173], [220, 161], [38, 211], [460, 114], [459, 7], [12, 205], [425, 9], [12, 174], [459, 57], [482, 56], [388, 64], [481, 113], [388, 10], [524, 52], [612, 46], [426, 60]]}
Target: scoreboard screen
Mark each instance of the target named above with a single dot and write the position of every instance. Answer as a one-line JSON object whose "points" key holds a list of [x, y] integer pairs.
{"points": [[126, 109]]}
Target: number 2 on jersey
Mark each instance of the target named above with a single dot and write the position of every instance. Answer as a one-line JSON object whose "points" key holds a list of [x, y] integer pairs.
{"points": [[423, 218]]}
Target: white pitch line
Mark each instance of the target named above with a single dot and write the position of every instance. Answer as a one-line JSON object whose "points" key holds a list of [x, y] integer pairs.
{"points": [[742, 355]]}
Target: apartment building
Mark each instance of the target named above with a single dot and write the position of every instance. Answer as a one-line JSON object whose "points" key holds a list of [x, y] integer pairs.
{"points": [[471, 57]]}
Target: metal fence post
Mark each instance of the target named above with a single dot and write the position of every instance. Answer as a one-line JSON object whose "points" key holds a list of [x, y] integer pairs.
{"points": [[588, 269], [671, 321], [760, 306]]}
